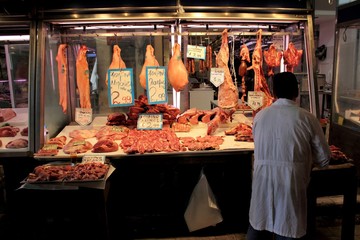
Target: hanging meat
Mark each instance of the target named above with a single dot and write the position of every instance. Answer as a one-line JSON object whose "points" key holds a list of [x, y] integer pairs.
{"points": [[177, 73], [82, 78], [245, 57], [150, 61], [260, 83], [228, 94], [272, 58], [61, 59], [292, 57], [208, 60], [116, 62]]}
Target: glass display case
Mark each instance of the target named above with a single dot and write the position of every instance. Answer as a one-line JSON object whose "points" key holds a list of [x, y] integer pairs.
{"points": [[133, 28], [15, 120], [345, 115]]}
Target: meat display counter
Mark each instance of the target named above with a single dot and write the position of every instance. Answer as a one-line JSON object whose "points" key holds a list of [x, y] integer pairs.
{"points": [[86, 55]]}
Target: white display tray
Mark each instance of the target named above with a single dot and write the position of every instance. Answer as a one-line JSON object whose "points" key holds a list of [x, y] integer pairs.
{"points": [[196, 130]]}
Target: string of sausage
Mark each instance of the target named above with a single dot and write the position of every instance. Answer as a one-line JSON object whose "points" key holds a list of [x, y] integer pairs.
{"points": [[203, 64]]}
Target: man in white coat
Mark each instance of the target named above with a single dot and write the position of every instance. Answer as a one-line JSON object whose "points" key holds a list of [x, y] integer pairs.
{"points": [[288, 141]]}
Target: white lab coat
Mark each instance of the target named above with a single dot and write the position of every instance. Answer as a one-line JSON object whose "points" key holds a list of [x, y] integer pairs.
{"points": [[288, 139]]}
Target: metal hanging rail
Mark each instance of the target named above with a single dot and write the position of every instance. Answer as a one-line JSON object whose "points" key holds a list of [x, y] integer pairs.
{"points": [[131, 34]]}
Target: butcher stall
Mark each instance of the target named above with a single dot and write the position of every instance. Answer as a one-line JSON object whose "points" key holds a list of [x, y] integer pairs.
{"points": [[122, 81]]}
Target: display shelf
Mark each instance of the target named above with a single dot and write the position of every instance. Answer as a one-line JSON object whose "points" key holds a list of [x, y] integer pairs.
{"points": [[200, 129]]}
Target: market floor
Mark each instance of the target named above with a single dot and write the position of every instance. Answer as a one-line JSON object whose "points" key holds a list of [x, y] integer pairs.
{"points": [[328, 224]]}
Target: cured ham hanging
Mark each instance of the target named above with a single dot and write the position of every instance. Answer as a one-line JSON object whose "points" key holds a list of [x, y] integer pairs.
{"points": [[177, 73], [272, 58], [260, 83], [228, 94], [116, 62], [82, 78], [150, 61], [292, 57], [61, 59]]}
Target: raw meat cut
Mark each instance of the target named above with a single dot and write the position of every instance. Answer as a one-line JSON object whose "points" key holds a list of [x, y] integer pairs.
{"points": [[116, 119], [150, 61], [177, 73], [61, 59], [83, 133], [8, 131], [6, 114], [272, 58], [77, 145], [221, 116], [228, 94], [89, 171], [140, 141], [112, 132], [116, 62], [24, 131], [292, 57], [181, 127], [260, 83], [59, 141], [201, 143], [105, 145], [17, 143], [82, 78]]}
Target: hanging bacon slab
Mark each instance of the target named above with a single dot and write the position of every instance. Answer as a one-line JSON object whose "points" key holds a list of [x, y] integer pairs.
{"points": [[116, 62], [228, 94], [82, 78], [260, 83], [245, 57], [272, 58], [177, 73], [61, 59], [150, 61], [292, 57]]}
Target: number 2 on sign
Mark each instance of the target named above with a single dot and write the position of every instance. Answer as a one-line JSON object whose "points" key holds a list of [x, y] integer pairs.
{"points": [[120, 100]]}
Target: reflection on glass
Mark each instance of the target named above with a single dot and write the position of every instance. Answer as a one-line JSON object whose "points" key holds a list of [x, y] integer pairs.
{"points": [[14, 97]]}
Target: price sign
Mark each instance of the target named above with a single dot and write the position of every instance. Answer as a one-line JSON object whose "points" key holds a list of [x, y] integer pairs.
{"points": [[198, 52], [93, 158], [255, 99], [83, 116], [156, 85], [217, 76], [120, 87], [50, 146], [150, 121]]}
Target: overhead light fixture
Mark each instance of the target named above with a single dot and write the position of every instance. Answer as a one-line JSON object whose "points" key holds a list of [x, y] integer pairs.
{"points": [[15, 38], [230, 26], [120, 27]]}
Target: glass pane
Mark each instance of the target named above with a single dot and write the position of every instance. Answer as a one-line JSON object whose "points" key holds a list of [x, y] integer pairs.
{"points": [[14, 65], [347, 88]]}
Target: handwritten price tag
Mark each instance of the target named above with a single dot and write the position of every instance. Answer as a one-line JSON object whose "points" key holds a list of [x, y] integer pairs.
{"points": [[150, 121], [217, 76], [94, 158], [50, 146], [156, 84], [83, 116], [198, 52], [120, 87], [255, 99]]}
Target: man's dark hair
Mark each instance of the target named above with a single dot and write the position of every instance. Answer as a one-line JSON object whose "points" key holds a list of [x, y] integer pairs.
{"points": [[285, 85]]}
